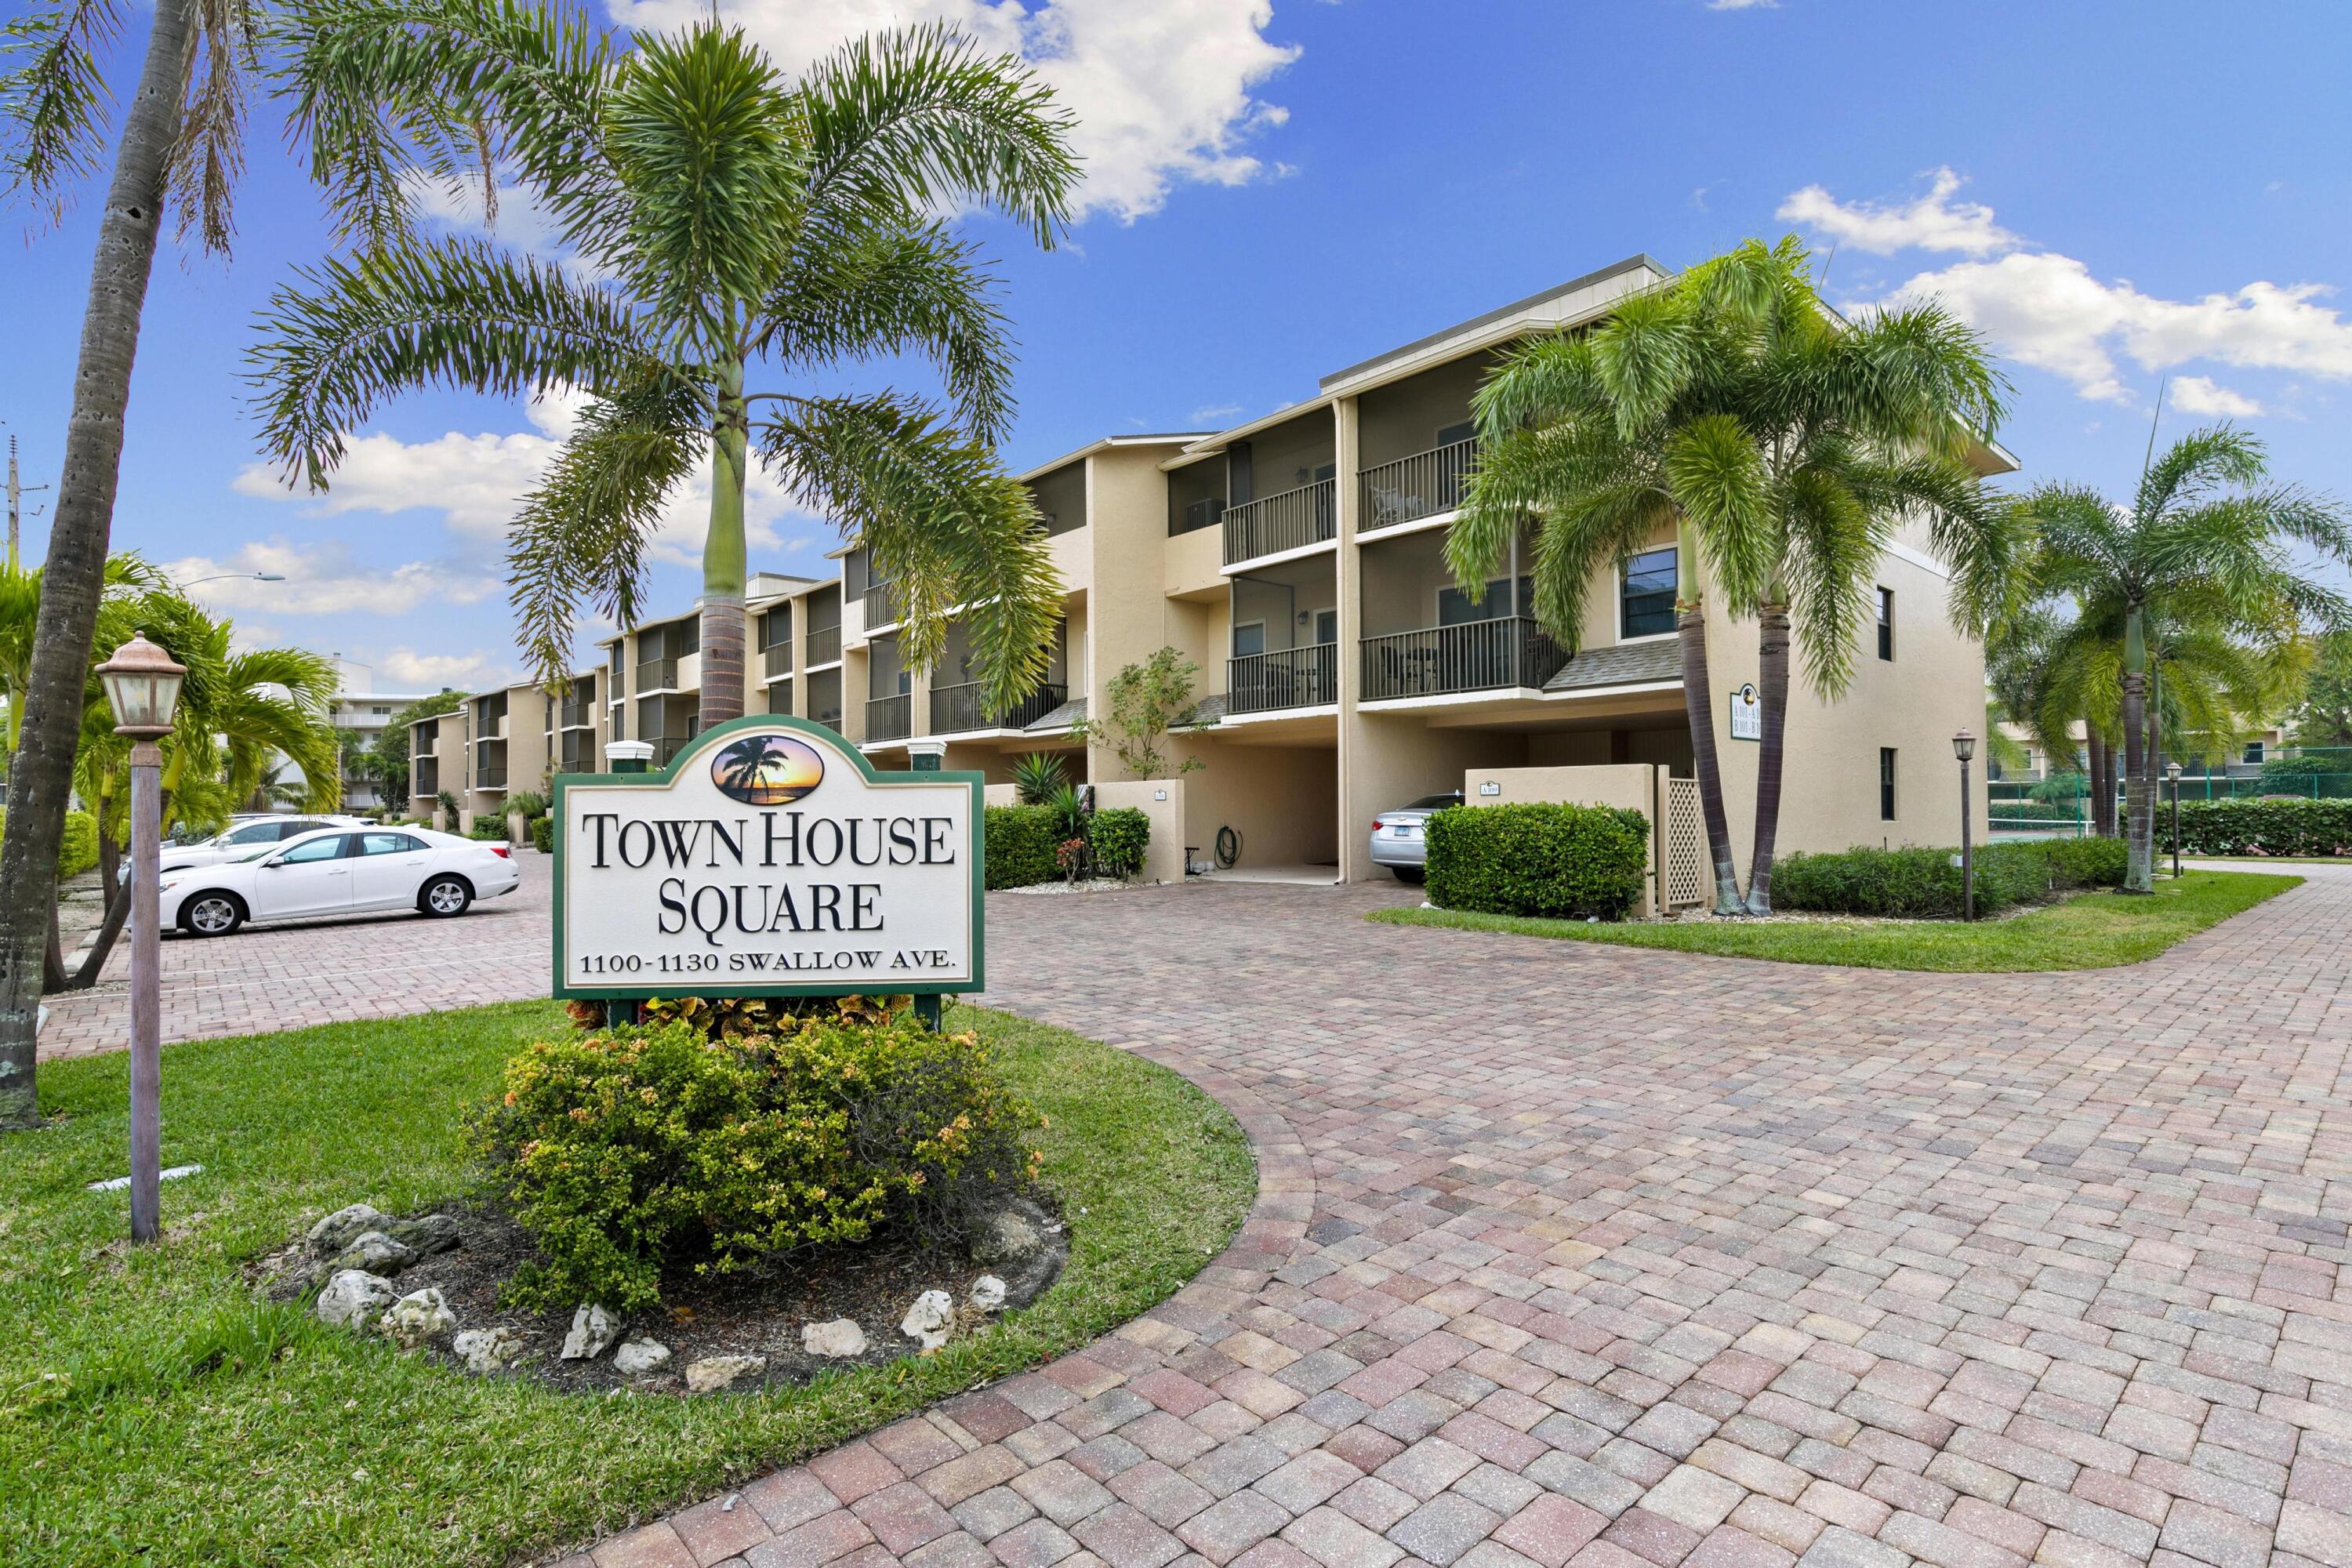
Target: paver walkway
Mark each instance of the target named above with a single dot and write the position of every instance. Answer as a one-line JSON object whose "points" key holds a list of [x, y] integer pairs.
{"points": [[1570, 1253]]}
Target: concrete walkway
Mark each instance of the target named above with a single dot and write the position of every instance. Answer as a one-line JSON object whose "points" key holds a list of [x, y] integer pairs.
{"points": [[1566, 1253]]}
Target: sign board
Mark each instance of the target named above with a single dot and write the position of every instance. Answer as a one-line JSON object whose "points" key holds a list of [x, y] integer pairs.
{"points": [[768, 860], [1747, 714], [1490, 787]]}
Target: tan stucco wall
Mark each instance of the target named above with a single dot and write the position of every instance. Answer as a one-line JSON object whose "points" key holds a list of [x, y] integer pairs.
{"points": [[1163, 859], [1278, 798], [1626, 786], [1128, 615]]}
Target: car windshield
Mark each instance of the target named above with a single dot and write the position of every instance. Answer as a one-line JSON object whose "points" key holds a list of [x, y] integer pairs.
{"points": [[255, 854], [1434, 803]]}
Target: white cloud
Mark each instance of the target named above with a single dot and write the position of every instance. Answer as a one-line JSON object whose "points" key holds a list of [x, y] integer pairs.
{"points": [[405, 669], [2199, 395], [325, 580], [1743, 4], [521, 221], [1932, 222], [1215, 413], [1163, 92]]}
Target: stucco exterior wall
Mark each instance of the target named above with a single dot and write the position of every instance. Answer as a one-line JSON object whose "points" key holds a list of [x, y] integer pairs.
{"points": [[1278, 798], [1625, 786]]}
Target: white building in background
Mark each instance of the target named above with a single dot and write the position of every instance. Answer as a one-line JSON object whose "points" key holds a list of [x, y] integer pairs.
{"points": [[360, 710]]}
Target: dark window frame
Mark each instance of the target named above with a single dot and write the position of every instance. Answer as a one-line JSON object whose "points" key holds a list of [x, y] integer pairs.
{"points": [[1887, 624], [1644, 621], [1886, 772]]}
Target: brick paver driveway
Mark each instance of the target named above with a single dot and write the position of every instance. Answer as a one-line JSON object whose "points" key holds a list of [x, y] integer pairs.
{"points": [[1574, 1253]]}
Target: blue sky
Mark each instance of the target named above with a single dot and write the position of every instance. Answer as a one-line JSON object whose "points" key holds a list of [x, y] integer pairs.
{"points": [[2113, 192]]}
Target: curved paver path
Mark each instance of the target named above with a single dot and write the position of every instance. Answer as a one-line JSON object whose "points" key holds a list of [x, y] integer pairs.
{"points": [[1577, 1253]]}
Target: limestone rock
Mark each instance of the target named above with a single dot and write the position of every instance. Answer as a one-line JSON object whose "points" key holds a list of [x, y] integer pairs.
{"points": [[593, 1329], [637, 1357], [716, 1372], [929, 1318], [426, 1234], [341, 1229], [835, 1341], [375, 1253], [489, 1350], [417, 1317], [354, 1297], [1018, 1230], [988, 1292]]}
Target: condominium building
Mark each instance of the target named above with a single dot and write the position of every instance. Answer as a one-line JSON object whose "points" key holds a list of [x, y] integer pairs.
{"points": [[1295, 560]]}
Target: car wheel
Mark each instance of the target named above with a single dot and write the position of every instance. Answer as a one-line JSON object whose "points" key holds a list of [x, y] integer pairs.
{"points": [[1412, 874], [445, 895], [211, 914]]}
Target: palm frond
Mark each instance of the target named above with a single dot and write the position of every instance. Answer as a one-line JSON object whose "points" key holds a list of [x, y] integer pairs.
{"points": [[54, 105], [208, 158]]}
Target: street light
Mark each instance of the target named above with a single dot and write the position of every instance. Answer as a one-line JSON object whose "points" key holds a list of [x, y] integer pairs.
{"points": [[1964, 746], [143, 685], [2172, 772], [240, 576]]}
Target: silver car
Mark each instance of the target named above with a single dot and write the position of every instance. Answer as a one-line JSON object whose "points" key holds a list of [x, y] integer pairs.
{"points": [[1398, 841]]}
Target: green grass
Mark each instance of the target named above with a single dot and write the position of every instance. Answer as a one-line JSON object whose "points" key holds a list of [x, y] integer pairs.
{"points": [[151, 1409], [2271, 860], [2090, 931]]}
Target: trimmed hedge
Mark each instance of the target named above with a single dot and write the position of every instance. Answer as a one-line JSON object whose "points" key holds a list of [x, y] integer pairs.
{"points": [[2257, 826], [1119, 837], [490, 828], [1021, 841], [1919, 883], [1562, 862], [78, 852], [542, 835]]}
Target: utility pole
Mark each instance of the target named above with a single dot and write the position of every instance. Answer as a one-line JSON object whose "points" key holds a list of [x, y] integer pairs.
{"points": [[15, 495]]}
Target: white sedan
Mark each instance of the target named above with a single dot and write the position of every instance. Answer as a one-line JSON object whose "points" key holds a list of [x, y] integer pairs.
{"points": [[335, 871]]}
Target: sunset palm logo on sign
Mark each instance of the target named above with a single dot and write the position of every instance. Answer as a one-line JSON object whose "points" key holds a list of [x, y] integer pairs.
{"points": [[766, 770]]}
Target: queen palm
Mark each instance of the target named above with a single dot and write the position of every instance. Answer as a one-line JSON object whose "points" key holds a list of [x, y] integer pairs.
{"points": [[723, 222], [1780, 446], [2203, 549]]}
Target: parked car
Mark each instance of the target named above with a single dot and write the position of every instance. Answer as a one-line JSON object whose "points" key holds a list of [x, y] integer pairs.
{"points": [[1400, 840], [333, 871], [244, 835]]}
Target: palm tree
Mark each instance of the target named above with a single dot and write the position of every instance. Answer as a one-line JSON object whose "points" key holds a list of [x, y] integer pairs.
{"points": [[2195, 570], [723, 221], [1782, 445]]}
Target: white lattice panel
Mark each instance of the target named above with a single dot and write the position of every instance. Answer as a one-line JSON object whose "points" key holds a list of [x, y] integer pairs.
{"points": [[1683, 845]]}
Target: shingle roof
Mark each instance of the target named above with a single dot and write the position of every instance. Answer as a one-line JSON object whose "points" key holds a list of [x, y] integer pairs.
{"points": [[1061, 718], [1625, 664]]}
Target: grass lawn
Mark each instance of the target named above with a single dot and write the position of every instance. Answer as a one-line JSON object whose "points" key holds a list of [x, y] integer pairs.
{"points": [[152, 1410], [2090, 931], [2269, 860]]}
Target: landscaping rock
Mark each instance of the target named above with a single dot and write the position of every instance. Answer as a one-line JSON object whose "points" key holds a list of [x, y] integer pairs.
{"points": [[1019, 1231], [375, 1253], [637, 1357], [834, 1340], [489, 1350], [417, 1317], [342, 1227], [425, 1235], [988, 1292], [713, 1373], [593, 1329], [929, 1318], [356, 1298]]}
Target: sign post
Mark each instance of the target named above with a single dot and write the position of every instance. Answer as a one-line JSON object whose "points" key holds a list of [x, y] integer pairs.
{"points": [[769, 859]]}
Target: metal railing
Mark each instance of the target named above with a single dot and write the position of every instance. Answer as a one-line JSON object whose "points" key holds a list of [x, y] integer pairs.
{"points": [[656, 675], [779, 695], [579, 756], [490, 778], [1289, 519], [823, 645], [777, 660], [667, 747], [959, 708], [1420, 486], [879, 609], [1285, 678], [577, 712], [1477, 655], [890, 718], [428, 780], [831, 721]]}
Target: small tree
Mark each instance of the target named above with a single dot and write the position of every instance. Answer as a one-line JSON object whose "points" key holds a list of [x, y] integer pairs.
{"points": [[1147, 701]]}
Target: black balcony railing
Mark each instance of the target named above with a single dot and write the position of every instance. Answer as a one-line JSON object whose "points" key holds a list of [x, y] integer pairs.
{"points": [[1285, 678], [881, 609], [1420, 486], [1289, 520], [428, 781], [959, 708], [490, 778], [890, 718], [777, 660], [1477, 655], [831, 721], [667, 747], [656, 675], [823, 646]]}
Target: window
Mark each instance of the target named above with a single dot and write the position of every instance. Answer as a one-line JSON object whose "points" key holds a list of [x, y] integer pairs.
{"points": [[1454, 434], [1887, 624], [1454, 609], [1326, 625], [1886, 783], [2254, 754], [325, 848], [1249, 638], [388, 843], [253, 833], [1647, 604]]}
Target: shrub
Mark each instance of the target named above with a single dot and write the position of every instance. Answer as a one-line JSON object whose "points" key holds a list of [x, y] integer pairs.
{"points": [[78, 850], [2257, 826], [1923, 883], [638, 1155], [490, 826], [1562, 861], [530, 803], [1020, 842], [542, 835], [1119, 839]]}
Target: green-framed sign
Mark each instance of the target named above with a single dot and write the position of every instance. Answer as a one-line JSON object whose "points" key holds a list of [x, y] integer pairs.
{"points": [[769, 859]]}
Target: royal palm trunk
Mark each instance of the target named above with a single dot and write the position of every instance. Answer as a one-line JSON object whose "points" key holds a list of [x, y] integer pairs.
{"points": [[2139, 794], [1772, 697], [724, 561], [1698, 707], [40, 775]]}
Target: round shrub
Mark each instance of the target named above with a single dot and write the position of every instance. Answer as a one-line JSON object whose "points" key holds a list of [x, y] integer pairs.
{"points": [[635, 1155], [1119, 839], [1020, 840], [1572, 862], [542, 835]]}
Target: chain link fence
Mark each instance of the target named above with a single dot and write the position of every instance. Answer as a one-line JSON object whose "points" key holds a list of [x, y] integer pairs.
{"points": [[2059, 806]]}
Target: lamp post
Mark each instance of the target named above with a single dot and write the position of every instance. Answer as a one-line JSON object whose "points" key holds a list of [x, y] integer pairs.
{"points": [[2172, 772], [1964, 746], [143, 685], [238, 576]]}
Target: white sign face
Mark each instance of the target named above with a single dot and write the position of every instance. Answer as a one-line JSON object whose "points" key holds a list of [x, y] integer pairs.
{"points": [[769, 861], [1747, 714]]}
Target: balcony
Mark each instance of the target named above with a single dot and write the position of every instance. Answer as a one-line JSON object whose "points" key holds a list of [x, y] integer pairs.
{"points": [[1478, 655], [823, 646], [656, 675], [667, 747], [1409, 489], [1291, 519], [777, 660], [955, 709], [428, 780], [491, 776], [890, 718], [831, 721], [1285, 678], [576, 713], [880, 611]]}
